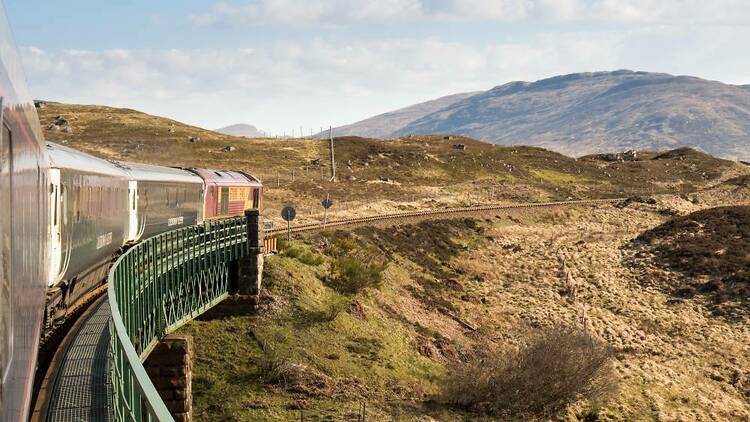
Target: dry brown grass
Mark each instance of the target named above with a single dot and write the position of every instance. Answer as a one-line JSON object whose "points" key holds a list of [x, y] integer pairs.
{"points": [[555, 368], [423, 171], [711, 249]]}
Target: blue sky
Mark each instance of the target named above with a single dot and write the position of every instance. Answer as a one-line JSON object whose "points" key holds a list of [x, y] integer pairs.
{"points": [[282, 64]]}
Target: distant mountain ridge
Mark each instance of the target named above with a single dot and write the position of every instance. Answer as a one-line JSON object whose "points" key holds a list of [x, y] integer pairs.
{"points": [[393, 121], [585, 113], [241, 129]]}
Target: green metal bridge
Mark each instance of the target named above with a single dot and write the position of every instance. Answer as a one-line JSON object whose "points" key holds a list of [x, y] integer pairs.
{"points": [[156, 287]]}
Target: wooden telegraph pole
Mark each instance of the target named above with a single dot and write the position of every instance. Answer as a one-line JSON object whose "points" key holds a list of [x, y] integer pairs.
{"points": [[333, 159]]}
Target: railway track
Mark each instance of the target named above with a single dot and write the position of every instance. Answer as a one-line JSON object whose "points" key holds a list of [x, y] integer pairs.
{"points": [[407, 215]]}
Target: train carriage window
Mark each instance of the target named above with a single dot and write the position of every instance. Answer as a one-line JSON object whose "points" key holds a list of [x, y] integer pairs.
{"points": [[64, 204], [6, 334], [54, 199]]}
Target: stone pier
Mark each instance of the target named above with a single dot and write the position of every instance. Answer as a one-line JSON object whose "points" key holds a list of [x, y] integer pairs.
{"points": [[250, 271], [170, 368]]}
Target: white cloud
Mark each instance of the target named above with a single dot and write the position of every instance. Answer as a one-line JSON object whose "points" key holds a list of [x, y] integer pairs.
{"points": [[310, 12], [289, 83], [354, 12], [317, 82]]}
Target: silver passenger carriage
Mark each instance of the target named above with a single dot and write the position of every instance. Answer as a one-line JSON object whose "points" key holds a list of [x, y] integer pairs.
{"points": [[23, 232], [88, 220], [161, 199]]}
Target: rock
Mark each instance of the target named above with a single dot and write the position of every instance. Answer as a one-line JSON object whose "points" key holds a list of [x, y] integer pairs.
{"points": [[60, 123], [315, 162], [460, 147], [384, 179], [194, 139], [351, 179], [454, 284], [171, 129], [229, 148]]}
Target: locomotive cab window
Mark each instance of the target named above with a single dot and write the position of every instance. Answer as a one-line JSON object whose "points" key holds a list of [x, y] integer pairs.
{"points": [[6, 334]]}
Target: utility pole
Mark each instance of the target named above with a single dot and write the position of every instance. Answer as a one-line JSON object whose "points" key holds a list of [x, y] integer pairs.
{"points": [[333, 159]]}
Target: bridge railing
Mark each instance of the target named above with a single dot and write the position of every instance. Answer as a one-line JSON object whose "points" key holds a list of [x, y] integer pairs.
{"points": [[154, 288]]}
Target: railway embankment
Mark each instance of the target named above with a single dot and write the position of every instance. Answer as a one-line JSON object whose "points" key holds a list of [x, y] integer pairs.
{"points": [[387, 316]]}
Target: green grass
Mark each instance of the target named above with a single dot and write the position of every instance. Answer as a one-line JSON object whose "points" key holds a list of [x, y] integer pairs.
{"points": [[556, 177], [317, 349]]}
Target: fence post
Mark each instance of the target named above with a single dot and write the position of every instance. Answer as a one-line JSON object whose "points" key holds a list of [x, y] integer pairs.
{"points": [[251, 266]]}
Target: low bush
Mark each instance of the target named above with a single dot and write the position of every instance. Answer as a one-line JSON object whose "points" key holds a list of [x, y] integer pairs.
{"points": [[354, 266], [274, 368], [555, 368], [310, 258], [351, 274], [302, 255], [335, 306]]}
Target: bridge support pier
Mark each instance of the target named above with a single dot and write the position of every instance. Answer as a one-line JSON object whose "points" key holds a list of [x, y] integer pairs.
{"points": [[170, 368], [250, 271]]}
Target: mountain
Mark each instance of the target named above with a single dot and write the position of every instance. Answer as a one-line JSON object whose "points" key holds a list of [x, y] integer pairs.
{"points": [[382, 125], [585, 113], [241, 129]]}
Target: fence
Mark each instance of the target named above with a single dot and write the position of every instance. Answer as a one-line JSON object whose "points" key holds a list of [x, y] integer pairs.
{"points": [[156, 287]]}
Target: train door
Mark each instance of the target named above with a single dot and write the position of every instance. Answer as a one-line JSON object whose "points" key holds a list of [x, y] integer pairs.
{"points": [[55, 226], [133, 210], [6, 303], [224, 201]]}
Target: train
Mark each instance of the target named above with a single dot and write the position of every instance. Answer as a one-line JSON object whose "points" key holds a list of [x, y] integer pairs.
{"points": [[66, 215], [98, 207]]}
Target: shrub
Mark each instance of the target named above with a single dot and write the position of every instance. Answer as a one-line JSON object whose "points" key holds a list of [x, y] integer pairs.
{"points": [[335, 306], [282, 244], [274, 368], [351, 274], [310, 258], [556, 367], [302, 255]]}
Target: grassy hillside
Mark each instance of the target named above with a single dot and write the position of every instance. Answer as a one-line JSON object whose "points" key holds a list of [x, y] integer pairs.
{"points": [[453, 293], [405, 320], [707, 253], [375, 176]]}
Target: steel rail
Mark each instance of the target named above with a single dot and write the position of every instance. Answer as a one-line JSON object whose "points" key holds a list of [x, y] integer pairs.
{"points": [[436, 212]]}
